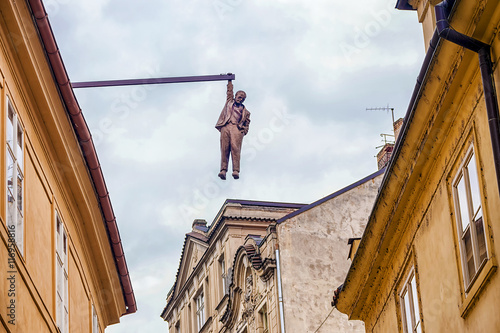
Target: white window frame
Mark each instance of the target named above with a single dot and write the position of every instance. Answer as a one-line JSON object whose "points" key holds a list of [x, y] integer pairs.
{"points": [[62, 299], [200, 310], [409, 288], [15, 174], [473, 213], [95, 321], [223, 275]]}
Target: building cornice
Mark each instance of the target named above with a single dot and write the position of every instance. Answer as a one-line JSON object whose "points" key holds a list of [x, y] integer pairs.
{"points": [[439, 84]]}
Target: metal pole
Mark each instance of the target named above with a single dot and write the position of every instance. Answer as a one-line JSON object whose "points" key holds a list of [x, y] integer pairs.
{"points": [[130, 82], [280, 292]]}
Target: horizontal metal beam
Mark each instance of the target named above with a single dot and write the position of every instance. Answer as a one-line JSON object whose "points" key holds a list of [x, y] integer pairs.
{"points": [[131, 82]]}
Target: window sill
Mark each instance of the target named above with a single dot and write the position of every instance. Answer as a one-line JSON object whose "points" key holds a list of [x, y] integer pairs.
{"points": [[205, 326], [222, 303], [487, 270]]}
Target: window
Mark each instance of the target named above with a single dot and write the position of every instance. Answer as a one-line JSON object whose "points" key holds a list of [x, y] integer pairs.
{"points": [[200, 311], [223, 275], [263, 323], [62, 313], [95, 321], [15, 175], [178, 327], [408, 299], [469, 218]]}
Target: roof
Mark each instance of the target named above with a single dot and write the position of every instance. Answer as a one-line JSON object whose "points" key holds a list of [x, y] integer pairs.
{"points": [[40, 18], [404, 5], [214, 226], [331, 196]]}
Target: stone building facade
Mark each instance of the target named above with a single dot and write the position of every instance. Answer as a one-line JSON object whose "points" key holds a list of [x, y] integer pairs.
{"points": [[269, 267], [226, 278]]}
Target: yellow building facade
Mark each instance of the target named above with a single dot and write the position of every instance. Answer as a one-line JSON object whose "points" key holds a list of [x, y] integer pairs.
{"points": [[62, 267], [427, 261]]}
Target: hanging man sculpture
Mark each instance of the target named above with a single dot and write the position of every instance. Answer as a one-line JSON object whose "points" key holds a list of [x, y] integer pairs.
{"points": [[233, 124]]}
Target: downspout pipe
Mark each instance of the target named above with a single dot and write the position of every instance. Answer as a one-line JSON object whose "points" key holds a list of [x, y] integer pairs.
{"points": [[280, 292], [444, 30]]}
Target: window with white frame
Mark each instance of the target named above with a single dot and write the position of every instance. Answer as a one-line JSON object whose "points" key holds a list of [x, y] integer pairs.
{"points": [[200, 310], [223, 275], [408, 298], [62, 313], [469, 218], [95, 321], [15, 176]]}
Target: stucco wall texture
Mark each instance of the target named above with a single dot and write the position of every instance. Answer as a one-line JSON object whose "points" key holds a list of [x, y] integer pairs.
{"points": [[313, 250]]}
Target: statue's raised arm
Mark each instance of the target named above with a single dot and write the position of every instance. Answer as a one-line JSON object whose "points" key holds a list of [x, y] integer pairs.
{"points": [[230, 95]]}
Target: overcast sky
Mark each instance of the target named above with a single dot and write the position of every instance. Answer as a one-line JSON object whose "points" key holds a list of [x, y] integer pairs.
{"points": [[309, 68]]}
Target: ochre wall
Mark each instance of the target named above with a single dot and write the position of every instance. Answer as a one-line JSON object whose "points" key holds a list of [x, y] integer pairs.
{"points": [[56, 180], [451, 116]]}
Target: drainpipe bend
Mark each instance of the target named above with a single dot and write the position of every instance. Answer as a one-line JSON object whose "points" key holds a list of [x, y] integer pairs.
{"points": [[445, 31]]}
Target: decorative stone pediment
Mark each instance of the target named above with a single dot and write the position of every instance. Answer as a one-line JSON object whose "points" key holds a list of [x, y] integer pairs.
{"points": [[246, 288], [193, 251]]}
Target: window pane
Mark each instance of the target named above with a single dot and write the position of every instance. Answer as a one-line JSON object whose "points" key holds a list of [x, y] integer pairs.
{"points": [[462, 203], [11, 211], [407, 308], [416, 310], [19, 153], [10, 127], [474, 184], [481, 237], [10, 180], [469, 258], [19, 192]]}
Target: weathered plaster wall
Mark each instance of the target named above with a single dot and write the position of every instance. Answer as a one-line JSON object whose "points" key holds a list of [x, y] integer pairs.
{"points": [[453, 117], [55, 179], [313, 250]]}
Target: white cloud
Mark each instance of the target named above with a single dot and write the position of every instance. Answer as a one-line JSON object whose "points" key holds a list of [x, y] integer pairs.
{"points": [[310, 133]]}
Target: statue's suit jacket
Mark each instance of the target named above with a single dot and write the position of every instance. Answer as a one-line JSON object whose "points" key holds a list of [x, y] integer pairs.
{"points": [[225, 115]]}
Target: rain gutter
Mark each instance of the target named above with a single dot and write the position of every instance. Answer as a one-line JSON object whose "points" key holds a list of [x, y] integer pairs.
{"points": [[443, 31], [87, 147], [443, 10]]}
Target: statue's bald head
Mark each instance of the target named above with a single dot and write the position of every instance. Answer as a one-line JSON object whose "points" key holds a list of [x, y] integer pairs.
{"points": [[240, 97]]}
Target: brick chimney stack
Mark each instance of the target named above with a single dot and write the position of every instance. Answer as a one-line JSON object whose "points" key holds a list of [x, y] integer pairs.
{"points": [[384, 155]]}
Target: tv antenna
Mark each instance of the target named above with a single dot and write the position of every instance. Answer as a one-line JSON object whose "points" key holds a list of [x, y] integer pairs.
{"points": [[387, 108], [384, 135]]}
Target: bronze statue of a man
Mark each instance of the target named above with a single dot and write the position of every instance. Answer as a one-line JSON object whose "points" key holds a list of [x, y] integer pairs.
{"points": [[233, 124]]}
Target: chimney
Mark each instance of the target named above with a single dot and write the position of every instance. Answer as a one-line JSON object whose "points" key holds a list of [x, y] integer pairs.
{"points": [[200, 225], [384, 155], [398, 124]]}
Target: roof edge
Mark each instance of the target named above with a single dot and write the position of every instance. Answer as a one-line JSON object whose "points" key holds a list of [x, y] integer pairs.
{"points": [[331, 196], [46, 35], [404, 5]]}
